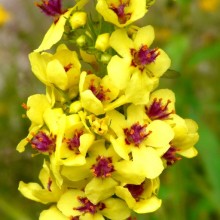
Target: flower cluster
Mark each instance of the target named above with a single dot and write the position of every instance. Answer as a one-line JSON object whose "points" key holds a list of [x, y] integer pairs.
{"points": [[106, 131]]}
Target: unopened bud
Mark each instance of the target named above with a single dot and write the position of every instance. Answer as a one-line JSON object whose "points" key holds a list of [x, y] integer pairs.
{"points": [[75, 107], [78, 19], [102, 42], [81, 41], [105, 58]]}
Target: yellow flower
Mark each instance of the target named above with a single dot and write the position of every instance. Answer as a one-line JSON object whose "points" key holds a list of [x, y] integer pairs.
{"points": [[136, 53], [61, 70], [55, 32], [186, 136], [98, 125], [35, 113], [73, 141], [161, 106], [121, 12], [50, 192], [137, 67], [74, 203], [96, 93], [141, 198], [143, 140], [4, 15]]}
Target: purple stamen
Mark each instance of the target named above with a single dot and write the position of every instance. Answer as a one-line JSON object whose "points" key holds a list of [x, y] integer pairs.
{"points": [[43, 143], [143, 57], [136, 134], [89, 207], [51, 8], [158, 111], [103, 168]]}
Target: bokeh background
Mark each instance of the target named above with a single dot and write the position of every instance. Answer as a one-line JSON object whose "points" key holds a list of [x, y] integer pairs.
{"points": [[189, 31]]}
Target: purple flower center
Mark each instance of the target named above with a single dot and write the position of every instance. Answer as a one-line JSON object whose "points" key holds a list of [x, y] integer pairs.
{"points": [[99, 91], [103, 168], [51, 8], [74, 142], [158, 111], [89, 207], [171, 157], [120, 11], [143, 57], [135, 134], [43, 143], [135, 190]]}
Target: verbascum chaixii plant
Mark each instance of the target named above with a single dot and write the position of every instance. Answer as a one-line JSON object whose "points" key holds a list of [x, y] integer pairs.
{"points": [[105, 129]]}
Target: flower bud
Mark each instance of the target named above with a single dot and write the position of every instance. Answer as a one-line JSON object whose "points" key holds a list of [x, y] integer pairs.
{"points": [[75, 107], [105, 58], [81, 40], [102, 42], [78, 19]]}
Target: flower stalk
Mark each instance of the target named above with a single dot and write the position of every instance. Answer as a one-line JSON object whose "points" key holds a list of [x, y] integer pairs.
{"points": [[105, 129]]}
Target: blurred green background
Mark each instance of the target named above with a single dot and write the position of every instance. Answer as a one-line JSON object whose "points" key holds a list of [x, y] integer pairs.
{"points": [[189, 31]]}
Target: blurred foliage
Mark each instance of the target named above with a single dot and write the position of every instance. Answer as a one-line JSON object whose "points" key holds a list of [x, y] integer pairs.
{"points": [[188, 30]]}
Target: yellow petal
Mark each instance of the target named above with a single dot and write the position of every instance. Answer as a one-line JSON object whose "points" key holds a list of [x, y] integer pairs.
{"points": [[91, 103], [161, 134], [35, 192], [116, 209], [55, 32], [119, 72], [35, 111], [123, 193], [144, 36], [99, 189], [147, 205], [160, 65], [56, 74], [148, 161], [127, 172], [52, 213], [121, 43], [69, 201], [38, 65]]}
